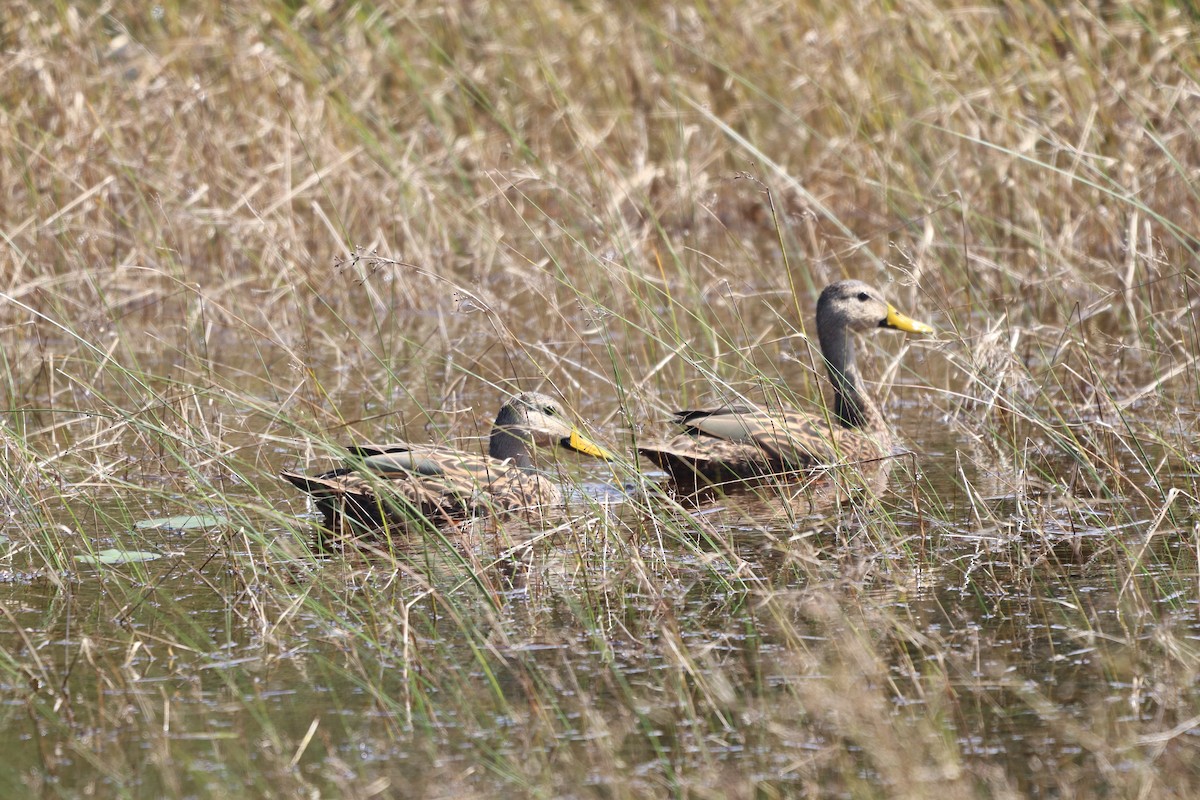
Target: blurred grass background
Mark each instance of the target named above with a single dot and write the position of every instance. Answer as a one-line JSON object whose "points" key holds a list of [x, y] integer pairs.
{"points": [[234, 233]]}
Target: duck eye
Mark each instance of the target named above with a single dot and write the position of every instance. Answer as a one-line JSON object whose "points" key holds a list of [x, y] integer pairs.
{"points": [[549, 411], [863, 297]]}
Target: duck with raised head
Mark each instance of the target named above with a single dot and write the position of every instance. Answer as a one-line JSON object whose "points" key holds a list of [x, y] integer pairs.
{"points": [[403, 483], [734, 444]]}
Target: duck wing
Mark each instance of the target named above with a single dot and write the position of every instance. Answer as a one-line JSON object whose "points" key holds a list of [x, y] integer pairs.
{"points": [[732, 443]]}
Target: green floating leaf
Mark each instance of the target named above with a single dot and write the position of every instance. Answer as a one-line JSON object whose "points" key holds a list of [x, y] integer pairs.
{"points": [[182, 523], [118, 557]]}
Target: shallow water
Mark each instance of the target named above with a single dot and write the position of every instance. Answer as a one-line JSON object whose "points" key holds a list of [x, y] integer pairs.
{"points": [[1034, 627]]}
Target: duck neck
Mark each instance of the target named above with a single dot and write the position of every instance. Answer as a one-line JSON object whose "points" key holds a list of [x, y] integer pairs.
{"points": [[852, 405], [507, 443]]}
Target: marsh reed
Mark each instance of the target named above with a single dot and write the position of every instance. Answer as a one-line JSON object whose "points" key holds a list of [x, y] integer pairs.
{"points": [[236, 236]]}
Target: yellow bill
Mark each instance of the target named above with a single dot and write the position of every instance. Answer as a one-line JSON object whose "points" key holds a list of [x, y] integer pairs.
{"points": [[900, 322], [581, 444]]}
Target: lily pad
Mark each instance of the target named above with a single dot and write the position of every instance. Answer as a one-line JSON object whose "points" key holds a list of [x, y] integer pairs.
{"points": [[112, 556], [181, 523]]}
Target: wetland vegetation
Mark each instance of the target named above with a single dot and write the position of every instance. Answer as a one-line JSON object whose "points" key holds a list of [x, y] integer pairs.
{"points": [[236, 237]]}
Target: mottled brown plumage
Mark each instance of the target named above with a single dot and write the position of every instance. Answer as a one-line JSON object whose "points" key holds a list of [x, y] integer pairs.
{"points": [[400, 484], [740, 443]]}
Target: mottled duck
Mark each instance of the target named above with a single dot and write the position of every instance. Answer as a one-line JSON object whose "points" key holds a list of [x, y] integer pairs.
{"points": [[402, 483], [742, 443]]}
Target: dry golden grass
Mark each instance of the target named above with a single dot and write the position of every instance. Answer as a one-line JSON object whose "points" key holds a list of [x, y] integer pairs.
{"points": [[235, 234]]}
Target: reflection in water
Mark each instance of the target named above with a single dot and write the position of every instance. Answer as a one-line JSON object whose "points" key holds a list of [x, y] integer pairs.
{"points": [[857, 605], [781, 502], [952, 615]]}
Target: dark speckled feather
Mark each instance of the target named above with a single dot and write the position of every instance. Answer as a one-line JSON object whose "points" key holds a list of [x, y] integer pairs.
{"points": [[400, 483]]}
